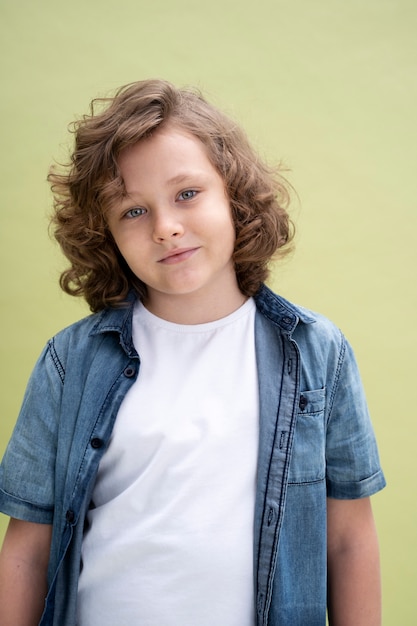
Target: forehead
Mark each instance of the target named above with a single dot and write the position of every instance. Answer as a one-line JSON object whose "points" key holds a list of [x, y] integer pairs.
{"points": [[168, 153]]}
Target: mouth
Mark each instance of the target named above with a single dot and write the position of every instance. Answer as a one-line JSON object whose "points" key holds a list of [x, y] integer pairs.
{"points": [[177, 255]]}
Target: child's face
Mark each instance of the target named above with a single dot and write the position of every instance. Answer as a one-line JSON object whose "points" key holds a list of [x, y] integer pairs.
{"points": [[174, 227]]}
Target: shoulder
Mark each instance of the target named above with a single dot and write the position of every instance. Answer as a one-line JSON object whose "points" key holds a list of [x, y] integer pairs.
{"points": [[85, 335], [77, 334], [323, 349], [295, 320]]}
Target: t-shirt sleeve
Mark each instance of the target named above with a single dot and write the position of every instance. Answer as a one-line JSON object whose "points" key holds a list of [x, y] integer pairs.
{"points": [[352, 461], [28, 466]]}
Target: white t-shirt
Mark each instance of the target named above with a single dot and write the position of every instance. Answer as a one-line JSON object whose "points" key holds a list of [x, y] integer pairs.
{"points": [[170, 541]]}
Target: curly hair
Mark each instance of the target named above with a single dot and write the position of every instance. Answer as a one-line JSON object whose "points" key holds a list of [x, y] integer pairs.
{"points": [[90, 184]]}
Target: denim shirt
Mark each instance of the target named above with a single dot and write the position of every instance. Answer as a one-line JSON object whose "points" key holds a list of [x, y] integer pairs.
{"points": [[315, 441]]}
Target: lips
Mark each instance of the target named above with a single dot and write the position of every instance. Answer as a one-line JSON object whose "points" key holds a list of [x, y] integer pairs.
{"points": [[177, 255]]}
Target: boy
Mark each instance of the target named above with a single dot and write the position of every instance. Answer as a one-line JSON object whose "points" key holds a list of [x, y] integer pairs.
{"points": [[199, 450]]}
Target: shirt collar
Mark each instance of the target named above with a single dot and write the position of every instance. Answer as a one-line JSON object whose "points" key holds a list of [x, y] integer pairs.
{"points": [[280, 311], [277, 309], [118, 320]]}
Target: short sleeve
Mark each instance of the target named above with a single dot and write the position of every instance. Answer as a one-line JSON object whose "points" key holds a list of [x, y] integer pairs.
{"points": [[28, 466], [352, 461]]}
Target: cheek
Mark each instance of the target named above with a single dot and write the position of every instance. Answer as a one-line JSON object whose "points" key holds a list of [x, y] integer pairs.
{"points": [[129, 241], [230, 229], [226, 240], [223, 216]]}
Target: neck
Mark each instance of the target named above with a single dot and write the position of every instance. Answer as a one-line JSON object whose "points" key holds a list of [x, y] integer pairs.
{"points": [[192, 309]]}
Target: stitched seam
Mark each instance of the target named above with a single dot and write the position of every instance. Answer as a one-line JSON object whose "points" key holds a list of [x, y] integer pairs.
{"points": [[307, 482], [337, 375], [284, 484], [56, 361]]}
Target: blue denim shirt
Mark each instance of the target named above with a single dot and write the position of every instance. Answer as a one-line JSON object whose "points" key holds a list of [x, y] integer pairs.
{"points": [[315, 441]]}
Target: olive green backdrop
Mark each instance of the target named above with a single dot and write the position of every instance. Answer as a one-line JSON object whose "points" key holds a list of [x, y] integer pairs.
{"points": [[329, 87]]}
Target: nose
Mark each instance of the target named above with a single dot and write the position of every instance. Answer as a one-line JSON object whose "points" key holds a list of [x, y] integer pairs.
{"points": [[166, 225]]}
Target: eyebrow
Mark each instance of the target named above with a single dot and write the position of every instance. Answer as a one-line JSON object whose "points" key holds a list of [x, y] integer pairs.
{"points": [[181, 178], [178, 179]]}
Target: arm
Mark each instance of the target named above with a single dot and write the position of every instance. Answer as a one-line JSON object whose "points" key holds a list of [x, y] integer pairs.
{"points": [[23, 573], [354, 594]]}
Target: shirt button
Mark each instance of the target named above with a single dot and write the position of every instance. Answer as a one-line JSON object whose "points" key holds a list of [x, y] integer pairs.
{"points": [[303, 402], [96, 443], [129, 372], [70, 516], [286, 320]]}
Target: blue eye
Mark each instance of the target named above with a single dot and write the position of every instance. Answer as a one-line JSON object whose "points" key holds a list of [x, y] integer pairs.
{"points": [[188, 194], [135, 212]]}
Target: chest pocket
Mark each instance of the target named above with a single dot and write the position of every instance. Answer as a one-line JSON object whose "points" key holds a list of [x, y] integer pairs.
{"points": [[308, 463]]}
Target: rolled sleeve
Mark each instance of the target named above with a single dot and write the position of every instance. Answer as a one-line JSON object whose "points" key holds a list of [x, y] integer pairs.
{"points": [[28, 466], [352, 461], [21, 509]]}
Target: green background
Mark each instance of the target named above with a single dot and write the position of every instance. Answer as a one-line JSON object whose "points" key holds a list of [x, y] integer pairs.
{"points": [[329, 88]]}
